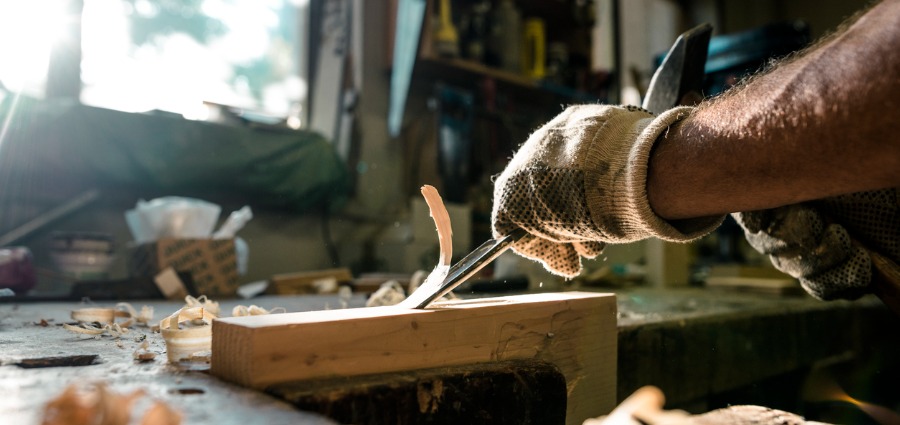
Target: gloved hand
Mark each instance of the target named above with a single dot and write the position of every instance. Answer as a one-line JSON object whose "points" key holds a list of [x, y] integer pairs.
{"points": [[580, 181], [821, 254], [800, 244]]}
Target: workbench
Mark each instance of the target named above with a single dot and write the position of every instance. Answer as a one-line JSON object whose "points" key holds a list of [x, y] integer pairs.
{"points": [[699, 346]]}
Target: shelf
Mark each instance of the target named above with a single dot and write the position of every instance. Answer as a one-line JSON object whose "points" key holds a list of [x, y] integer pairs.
{"points": [[466, 73]]}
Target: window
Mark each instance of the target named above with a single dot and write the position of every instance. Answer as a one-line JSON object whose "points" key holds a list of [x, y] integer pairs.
{"points": [[171, 55]]}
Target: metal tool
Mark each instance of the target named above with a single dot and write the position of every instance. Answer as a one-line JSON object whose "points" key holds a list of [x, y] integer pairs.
{"points": [[462, 270], [679, 75], [679, 78]]}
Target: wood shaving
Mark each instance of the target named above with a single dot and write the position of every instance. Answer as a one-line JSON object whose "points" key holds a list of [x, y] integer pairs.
{"points": [[97, 405], [203, 301], [100, 315], [141, 319], [143, 353], [418, 279], [200, 357], [242, 310], [105, 319], [389, 293], [161, 414], [344, 295], [644, 406], [445, 236], [84, 328], [188, 331], [115, 330], [327, 285], [442, 222]]}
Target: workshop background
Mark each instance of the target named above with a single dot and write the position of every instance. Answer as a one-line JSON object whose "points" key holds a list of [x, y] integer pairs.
{"points": [[325, 117], [346, 205]]}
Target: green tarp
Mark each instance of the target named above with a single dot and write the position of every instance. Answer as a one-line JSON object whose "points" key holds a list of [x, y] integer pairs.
{"points": [[61, 141]]}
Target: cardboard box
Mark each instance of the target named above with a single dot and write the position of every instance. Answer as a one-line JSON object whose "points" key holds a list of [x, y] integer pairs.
{"points": [[211, 262]]}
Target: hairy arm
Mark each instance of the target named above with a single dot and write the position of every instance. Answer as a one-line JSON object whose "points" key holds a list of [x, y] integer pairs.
{"points": [[821, 124]]}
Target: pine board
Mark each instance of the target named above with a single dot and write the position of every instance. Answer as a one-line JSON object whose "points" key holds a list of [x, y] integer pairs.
{"points": [[575, 331]]}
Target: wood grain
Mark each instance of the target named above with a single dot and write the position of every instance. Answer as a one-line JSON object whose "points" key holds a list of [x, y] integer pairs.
{"points": [[575, 331]]}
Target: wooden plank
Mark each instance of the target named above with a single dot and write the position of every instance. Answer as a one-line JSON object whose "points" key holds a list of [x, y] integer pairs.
{"points": [[576, 331], [783, 286], [306, 282], [752, 279]]}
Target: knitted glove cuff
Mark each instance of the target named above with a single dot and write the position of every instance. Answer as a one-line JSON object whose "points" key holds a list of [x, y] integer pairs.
{"points": [[626, 212]]}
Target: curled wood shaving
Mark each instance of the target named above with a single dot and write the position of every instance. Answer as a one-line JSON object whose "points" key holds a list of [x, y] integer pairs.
{"points": [[114, 330], [420, 276], [141, 319], [242, 310], [445, 235], [97, 405], [186, 332], [203, 301], [441, 221], [84, 328], [99, 315], [86, 317]]}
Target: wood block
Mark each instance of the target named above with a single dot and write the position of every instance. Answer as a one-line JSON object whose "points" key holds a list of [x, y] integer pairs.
{"points": [[307, 282], [778, 286], [575, 331], [765, 280]]}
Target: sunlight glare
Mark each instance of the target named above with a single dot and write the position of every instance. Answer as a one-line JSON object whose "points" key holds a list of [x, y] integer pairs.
{"points": [[27, 33]]}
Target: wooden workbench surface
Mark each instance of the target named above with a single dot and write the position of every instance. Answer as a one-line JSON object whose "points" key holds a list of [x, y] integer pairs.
{"points": [[201, 398], [663, 334]]}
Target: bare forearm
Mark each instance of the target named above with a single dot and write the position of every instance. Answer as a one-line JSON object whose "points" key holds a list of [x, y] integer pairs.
{"points": [[821, 125]]}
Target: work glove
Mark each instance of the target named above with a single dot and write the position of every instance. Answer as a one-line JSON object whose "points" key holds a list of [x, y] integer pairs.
{"points": [[825, 243], [580, 181]]}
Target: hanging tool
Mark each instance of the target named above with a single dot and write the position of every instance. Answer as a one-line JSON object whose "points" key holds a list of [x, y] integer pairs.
{"points": [[680, 75], [446, 38], [679, 79]]}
